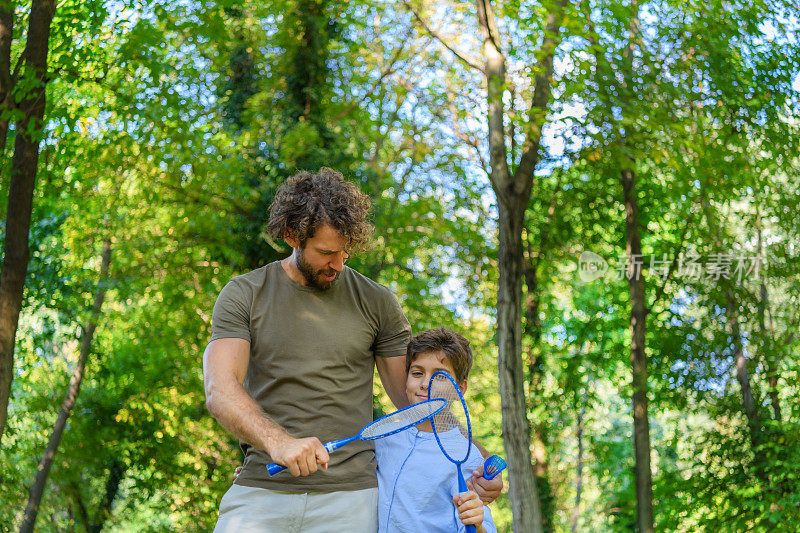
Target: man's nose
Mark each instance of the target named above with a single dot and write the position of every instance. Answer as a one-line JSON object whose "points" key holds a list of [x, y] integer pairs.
{"points": [[337, 261]]}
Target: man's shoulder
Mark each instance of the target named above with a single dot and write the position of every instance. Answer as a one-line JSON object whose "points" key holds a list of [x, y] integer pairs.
{"points": [[363, 283], [244, 287], [256, 277]]}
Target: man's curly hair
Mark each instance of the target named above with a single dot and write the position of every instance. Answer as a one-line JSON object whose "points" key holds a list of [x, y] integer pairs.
{"points": [[307, 201]]}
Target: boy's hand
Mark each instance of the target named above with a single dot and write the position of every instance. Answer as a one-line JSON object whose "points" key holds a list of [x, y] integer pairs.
{"points": [[237, 472], [470, 508], [488, 489]]}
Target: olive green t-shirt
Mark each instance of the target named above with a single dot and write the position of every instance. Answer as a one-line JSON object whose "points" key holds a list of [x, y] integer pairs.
{"points": [[312, 356]]}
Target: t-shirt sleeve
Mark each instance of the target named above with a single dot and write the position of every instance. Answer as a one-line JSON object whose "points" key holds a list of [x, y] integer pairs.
{"points": [[395, 331], [231, 316]]}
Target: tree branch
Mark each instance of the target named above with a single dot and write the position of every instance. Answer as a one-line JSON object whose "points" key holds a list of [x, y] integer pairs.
{"points": [[495, 72], [672, 266], [389, 69], [459, 55], [542, 89]]}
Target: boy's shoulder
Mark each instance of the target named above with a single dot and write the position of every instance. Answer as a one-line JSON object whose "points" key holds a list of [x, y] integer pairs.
{"points": [[391, 444]]}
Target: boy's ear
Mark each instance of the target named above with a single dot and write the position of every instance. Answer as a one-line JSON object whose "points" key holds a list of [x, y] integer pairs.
{"points": [[463, 386]]}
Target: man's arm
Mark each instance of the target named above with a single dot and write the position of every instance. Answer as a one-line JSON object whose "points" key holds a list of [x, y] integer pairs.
{"points": [[392, 371], [225, 364]]}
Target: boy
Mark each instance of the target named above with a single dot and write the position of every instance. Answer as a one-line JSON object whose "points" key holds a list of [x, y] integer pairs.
{"points": [[417, 485]]}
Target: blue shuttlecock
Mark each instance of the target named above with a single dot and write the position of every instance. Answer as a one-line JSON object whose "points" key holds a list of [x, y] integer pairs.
{"points": [[493, 466]]}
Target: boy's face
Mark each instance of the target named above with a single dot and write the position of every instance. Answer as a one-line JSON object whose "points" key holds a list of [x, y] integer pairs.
{"points": [[420, 372]]}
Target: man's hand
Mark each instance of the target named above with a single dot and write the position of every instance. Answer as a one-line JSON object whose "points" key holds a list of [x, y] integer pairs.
{"points": [[488, 489], [470, 509], [300, 456]]}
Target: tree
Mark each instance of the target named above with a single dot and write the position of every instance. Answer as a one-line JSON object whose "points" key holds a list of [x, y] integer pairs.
{"points": [[513, 192], [31, 89], [87, 335]]}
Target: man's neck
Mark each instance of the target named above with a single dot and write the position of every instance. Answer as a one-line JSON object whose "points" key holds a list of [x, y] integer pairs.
{"points": [[289, 265]]}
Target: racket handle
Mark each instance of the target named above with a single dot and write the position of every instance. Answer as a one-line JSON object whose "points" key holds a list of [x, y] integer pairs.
{"points": [[493, 466], [275, 468], [462, 487], [336, 444]]}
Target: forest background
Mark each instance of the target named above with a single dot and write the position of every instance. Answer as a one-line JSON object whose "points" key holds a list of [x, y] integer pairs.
{"points": [[601, 194]]}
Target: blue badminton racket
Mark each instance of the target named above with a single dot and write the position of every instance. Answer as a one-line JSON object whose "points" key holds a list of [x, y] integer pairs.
{"points": [[451, 425], [383, 427]]}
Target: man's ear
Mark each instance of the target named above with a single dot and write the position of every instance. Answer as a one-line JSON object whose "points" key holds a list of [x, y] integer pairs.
{"points": [[290, 239]]}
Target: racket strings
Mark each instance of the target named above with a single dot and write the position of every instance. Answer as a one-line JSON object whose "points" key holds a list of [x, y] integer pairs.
{"points": [[400, 420], [451, 424]]}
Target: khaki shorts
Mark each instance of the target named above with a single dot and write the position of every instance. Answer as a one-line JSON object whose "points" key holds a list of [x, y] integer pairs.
{"points": [[251, 509]]}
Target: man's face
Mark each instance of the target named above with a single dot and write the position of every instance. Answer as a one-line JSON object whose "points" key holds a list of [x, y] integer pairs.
{"points": [[322, 258], [420, 372]]}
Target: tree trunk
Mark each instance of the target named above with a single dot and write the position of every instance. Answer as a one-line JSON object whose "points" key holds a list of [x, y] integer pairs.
{"points": [[115, 476], [43, 470], [576, 508], [742, 374], [536, 362], [749, 404], [523, 490], [767, 333], [6, 37], [20, 194], [641, 424], [82, 514]]}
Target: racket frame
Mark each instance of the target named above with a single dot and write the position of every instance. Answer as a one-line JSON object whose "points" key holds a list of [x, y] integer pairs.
{"points": [[462, 484], [275, 468]]}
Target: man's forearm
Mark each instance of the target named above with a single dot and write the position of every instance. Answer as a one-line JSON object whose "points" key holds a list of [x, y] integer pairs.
{"points": [[236, 411], [484, 452]]}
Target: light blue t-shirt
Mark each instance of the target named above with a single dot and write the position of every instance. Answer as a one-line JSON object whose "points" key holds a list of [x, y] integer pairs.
{"points": [[416, 484]]}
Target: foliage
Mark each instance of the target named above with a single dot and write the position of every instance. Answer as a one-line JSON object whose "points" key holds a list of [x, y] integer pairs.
{"points": [[171, 124]]}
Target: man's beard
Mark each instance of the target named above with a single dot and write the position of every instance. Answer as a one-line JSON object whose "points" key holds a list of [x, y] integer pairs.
{"points": [[311, 276]]}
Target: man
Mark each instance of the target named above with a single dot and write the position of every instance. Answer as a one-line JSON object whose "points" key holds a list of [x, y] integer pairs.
{"points": [[290, 365]]}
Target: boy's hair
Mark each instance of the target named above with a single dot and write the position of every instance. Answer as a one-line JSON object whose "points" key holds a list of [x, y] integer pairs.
{"points": [[454, 346], [307, 201]]}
